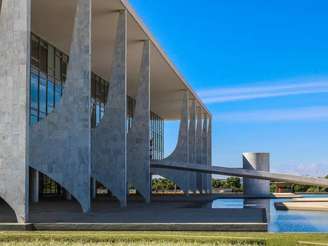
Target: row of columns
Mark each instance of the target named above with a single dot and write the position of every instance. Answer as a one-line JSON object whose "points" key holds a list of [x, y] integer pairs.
{"points": [[200, 142], [194, 143]]}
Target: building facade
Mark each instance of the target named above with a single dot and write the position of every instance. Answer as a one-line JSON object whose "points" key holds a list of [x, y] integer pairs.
{"points": [[84, 94]]}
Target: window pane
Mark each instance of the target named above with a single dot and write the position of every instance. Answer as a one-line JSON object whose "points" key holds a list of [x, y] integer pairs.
{"points": [[50, 96], [42, 96], [34, 90], [51, 61], [34, 116], [58, 66], [43, 58], [97, 113], [64, 65], [58, 92], [35, 51]]}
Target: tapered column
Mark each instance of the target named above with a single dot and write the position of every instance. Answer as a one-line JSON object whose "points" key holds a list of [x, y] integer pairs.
{"points": [[138, 136], [259, 162], [35, 185], [192, 145], [209, 153], [204, 154], [181, 152], [14, 83], [93, 188], [110, 138], [198, 151], [60, 145]]}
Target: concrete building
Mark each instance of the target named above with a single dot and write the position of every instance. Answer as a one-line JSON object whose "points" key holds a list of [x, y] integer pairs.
{"points": [[84, 93]]}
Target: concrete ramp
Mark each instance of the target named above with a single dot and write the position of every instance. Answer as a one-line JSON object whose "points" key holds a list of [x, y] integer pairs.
{"points": [[239, 172]]}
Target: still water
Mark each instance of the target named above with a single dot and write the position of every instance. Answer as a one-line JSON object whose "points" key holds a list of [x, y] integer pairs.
{"points": [[282, 221]]}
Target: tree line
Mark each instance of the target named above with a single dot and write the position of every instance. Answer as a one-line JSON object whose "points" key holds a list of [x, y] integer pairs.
{"points": [[233, 183]]}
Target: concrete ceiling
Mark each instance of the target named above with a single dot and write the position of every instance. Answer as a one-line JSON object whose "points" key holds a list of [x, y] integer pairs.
{"points": [[53, 21]]}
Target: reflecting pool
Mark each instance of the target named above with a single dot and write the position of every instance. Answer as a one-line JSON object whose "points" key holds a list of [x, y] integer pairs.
{"points": [[282, 221]]}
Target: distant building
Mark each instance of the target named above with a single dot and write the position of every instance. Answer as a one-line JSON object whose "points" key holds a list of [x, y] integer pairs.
{"points": [[282, 187]]}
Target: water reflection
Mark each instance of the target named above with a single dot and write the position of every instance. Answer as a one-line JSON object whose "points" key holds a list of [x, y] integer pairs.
{"points": [[281, 221], [259, 203]]}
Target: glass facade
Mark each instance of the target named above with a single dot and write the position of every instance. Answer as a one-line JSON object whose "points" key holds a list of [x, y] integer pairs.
{"points": [[99, 88], [48, 75], [156, 137]]}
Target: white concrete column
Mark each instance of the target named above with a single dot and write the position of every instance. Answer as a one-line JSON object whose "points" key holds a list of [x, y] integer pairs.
{"points": [[199, 147], [139, 135], [110, 136], [209, 153], [93, 188], [35, 186], [204, 153], [68, 128], [15, 31], [258, 162], [192, 145]]}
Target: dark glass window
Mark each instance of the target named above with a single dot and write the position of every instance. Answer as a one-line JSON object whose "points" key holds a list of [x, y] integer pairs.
{"points": [[58, 66], [157, 137], [43, 65], [49, 188], [42, 96], [35, 51], [99, 92], [50, 95], [34, 90]]}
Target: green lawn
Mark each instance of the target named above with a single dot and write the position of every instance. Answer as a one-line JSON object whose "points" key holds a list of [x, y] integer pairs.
{"points": [[156, 238]]}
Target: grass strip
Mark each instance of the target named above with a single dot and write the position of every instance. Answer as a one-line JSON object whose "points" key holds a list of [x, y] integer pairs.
{"points": [[158, 238]]}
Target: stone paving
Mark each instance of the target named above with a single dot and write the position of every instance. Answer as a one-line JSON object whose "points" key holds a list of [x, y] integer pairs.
{"points": [[109, 211]]}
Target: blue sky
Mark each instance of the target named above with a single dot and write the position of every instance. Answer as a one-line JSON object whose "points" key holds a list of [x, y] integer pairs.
{"points": [[262, 69]]}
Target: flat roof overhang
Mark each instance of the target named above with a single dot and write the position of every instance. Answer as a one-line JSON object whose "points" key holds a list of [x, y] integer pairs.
{"points": [[53, 21]]}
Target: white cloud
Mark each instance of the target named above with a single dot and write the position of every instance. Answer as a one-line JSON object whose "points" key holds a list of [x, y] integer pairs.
{"points": [[317, 113], [279, 89], [309, 169]]}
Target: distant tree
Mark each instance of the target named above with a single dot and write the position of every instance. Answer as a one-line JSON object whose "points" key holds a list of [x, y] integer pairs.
{"points": [[299, 188], [232, 183], [273, 187], [215, 183], [162, 184]]}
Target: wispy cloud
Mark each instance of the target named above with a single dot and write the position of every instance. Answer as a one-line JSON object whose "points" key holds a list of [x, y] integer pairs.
{"points": [[317, 113], [279, 89], [303, 169]]}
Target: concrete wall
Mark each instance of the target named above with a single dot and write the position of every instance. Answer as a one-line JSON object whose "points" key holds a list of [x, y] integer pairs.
{"points": [[138, 136], [14, 76], [258, 162], [110, 138], [60, 145]]}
